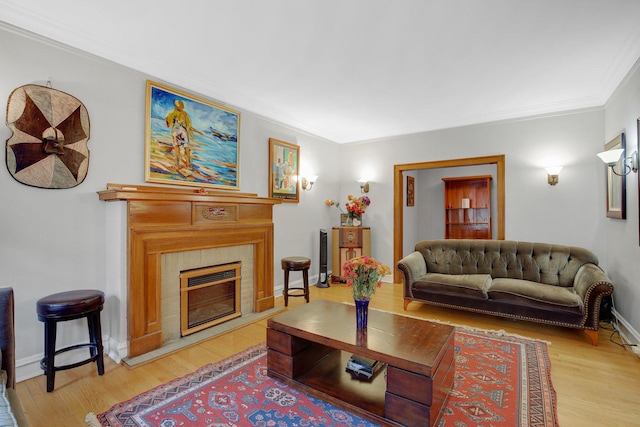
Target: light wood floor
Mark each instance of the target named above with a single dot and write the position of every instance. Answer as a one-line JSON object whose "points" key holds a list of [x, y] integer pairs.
{"points": [[596, 386]]}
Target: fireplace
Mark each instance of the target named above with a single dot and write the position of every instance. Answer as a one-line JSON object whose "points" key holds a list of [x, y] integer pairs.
{"points": [[170, 222], [209, 296]]}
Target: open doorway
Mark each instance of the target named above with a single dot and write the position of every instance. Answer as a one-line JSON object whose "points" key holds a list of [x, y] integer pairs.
{"points": [[398, 196]]}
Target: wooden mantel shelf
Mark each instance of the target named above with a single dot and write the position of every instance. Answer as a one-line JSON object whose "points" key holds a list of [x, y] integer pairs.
{"points": [[162, 220], [123, 192]]}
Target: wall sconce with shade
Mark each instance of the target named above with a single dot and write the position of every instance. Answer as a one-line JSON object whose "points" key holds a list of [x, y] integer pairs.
{"points": [[307, 183], [552, 174], [611, 158], [364, 186]]}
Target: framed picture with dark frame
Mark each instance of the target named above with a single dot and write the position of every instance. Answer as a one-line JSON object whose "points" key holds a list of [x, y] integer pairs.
{"points": [[284, 169], [190, 140], [616, 183], [411, 191]]}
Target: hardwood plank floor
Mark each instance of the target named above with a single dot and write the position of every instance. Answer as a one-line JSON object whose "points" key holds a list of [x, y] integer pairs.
{"points": [[596, 386]]}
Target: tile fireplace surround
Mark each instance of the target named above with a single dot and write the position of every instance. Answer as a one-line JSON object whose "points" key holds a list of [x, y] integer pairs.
{"points": [[161, 221]]}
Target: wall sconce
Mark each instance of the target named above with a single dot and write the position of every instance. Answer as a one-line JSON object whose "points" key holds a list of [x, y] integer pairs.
{"points": [[364, 186], [611, 157], [552, 174], [307, 184]]}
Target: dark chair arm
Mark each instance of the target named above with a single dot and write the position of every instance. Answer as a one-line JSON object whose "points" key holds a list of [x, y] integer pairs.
{"points": [[7, 336]]}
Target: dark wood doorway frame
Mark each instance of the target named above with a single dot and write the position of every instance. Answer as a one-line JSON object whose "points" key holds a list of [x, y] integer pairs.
{"points": [[398, 192]]}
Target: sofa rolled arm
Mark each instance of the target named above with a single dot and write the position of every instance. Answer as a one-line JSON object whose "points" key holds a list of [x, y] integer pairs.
{"points": [[592, 284], [413, 266]]}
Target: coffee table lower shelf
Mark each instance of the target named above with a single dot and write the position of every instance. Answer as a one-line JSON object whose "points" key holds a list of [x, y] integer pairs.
{"points": [[328, 380], [309, 350]]}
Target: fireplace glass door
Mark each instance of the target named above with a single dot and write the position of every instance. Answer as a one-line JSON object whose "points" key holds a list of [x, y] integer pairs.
{"points": [[209, 296]]}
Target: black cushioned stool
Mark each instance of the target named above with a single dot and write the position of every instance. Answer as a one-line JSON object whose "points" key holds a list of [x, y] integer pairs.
{"points": [[296, 263], [65, 306]]}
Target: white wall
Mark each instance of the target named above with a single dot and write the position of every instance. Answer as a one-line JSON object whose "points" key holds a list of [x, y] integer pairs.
{"points": [[57, 240], [622, 236], [569, 213]]}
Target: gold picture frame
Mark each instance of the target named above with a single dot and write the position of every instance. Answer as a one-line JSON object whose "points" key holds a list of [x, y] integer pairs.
{"points": [[616, 183], [190, 140], [284, 169]]}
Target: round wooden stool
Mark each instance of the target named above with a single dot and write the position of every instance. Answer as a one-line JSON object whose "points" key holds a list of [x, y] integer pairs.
{"points": [[68, 306], [296, 263]]}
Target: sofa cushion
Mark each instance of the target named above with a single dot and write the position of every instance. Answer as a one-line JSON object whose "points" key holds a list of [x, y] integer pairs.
{"points": [[535, 294], [472, 285]]}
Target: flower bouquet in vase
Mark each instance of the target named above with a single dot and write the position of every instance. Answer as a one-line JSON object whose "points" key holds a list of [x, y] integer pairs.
{"points": [[356, 207], [363, 275]]}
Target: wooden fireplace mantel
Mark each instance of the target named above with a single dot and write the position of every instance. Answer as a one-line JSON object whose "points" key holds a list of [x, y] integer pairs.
{"points": [[162, 220]]}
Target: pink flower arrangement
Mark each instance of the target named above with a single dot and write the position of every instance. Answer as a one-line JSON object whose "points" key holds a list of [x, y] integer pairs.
{"points": [[364, 275], [357, 205]]}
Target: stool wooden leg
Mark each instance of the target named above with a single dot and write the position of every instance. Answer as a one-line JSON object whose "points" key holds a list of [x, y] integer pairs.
{"points": [[95, 334], [286, 288], [50, 352], [305, 279]]}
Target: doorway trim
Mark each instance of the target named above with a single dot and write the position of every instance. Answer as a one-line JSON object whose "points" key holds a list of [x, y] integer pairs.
{"points": [[398, 192]]}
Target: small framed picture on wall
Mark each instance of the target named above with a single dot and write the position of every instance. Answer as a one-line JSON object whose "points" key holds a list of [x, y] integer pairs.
{"points": [[410, 191], [284, 168]]}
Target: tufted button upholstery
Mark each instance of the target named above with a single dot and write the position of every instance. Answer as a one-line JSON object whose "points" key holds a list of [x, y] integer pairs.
{"points": [[537, 262]]}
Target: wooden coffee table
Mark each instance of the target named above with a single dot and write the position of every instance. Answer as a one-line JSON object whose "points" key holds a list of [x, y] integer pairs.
{"points": [[308, 348]]}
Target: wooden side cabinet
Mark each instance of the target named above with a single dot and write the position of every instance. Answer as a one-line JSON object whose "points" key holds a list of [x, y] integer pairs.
{"points": [[347, 243], [467, 207]]}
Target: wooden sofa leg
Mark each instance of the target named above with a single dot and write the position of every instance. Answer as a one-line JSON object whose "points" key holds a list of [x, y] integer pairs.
{"points": [[593, 335], [406, 304]]}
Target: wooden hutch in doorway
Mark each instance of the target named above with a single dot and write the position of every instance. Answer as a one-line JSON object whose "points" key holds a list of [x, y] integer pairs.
{"points": [[467, 207]]}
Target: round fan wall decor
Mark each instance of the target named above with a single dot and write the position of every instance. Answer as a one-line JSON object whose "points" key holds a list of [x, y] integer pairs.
{"points": [[48, 147]]}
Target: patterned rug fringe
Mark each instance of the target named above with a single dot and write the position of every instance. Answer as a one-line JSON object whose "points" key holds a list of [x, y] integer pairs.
{"points": [[92, 421], [497, 332]]}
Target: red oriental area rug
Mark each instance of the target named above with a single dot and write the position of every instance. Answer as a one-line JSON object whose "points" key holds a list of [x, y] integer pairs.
{"points": [[500, 380]]}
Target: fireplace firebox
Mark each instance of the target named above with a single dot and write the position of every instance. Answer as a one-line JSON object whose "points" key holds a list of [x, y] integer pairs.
{"points": [[209, 296]]}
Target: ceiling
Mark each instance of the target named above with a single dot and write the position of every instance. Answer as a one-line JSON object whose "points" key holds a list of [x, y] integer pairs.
{"points": [[355, 70]]}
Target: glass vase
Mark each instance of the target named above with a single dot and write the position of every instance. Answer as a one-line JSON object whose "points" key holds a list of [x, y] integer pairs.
{"points": [[362, 313]]}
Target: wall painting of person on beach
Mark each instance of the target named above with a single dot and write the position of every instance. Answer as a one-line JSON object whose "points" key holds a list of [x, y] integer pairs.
{"points": [[190, 141]]}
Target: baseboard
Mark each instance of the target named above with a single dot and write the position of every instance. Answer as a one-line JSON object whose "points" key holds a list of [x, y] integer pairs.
{"points": [[627, 332], [28, 367], [115, 350]]}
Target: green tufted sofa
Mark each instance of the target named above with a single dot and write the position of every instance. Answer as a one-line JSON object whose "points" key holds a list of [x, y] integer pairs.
{"points": [[553, 284]]}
